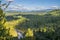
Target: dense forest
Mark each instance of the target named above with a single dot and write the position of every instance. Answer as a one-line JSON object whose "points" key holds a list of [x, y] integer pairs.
{"points": [[28, 24], [35, 27]]}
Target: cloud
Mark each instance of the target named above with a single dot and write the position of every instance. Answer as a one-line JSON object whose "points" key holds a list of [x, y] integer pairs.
{"points": [[55, 7], [9, 0], [24, 8], [20, 7], [40, 8], [15, 7]]}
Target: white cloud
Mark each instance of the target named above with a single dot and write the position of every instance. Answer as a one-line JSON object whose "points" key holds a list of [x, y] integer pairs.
{"points": [[55, 7], [40, 8], [22, 7], [18, 7], [15, 7], [9, 0]]}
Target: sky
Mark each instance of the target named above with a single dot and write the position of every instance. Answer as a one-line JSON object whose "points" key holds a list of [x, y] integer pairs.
{"points": [[32, 4]]}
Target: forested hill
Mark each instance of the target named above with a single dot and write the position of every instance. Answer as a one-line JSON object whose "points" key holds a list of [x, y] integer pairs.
{"points": [[50, 19], [55, 12], [47, 24]]}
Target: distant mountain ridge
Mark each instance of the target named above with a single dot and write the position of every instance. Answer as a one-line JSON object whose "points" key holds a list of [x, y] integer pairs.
{"points": [[45, 10]]}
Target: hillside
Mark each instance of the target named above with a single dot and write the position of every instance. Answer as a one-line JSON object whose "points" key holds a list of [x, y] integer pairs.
{"points": [[35, 21], [55, 12], [45, 25]]}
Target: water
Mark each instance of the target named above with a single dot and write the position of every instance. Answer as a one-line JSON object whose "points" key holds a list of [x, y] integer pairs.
{"points": [[20, 34]]}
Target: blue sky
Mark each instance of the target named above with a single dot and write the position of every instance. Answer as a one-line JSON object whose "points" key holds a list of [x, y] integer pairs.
{"points": [[33, 4]]}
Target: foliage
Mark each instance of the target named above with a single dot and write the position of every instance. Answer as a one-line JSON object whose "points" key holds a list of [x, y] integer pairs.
{"points": [[3, 33], [29, 33], [38, 27]]}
